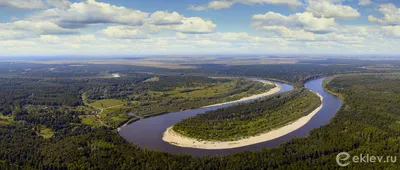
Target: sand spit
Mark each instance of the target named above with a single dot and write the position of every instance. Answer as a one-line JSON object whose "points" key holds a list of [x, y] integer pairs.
{"points": [[276, 89], [177, 139]]}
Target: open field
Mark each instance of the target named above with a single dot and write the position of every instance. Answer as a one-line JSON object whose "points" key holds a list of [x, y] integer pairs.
{"points": [[106, 103], [44, 132], [90, 120], [5, 120], [202, 91]]}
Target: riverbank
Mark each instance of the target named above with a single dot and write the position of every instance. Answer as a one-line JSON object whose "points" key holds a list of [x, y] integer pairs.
{"points": [[276, 89], [177, 139]]}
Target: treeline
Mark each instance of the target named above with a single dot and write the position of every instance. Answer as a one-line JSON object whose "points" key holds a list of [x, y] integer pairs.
{"points": [[54, 119], [250, 119], [77, 70], [296, 74], [17, 92]]}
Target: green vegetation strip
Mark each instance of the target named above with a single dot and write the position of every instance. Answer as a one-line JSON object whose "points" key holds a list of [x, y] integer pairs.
{"points": [[251, 119]]}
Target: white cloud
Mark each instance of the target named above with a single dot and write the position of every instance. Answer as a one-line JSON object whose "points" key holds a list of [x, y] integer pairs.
{"points": [[231, 42], [7, 34], [131, 32], [212, 5], [59, 3], [181, 36], [290, 34], [331, 9], [364, 2], [82, 14], [197, 8], [305, 21], [393, 31], [165, 18], [50, 39], [274, 2], [23, 29], [223, 4], [220, 4], [42, 27], [306, 27], [391, 15], [22, 4], [195, 25], [128, 31], [124, 32]]}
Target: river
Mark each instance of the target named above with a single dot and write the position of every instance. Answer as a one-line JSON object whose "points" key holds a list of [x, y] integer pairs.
{"points": [[148, 133]]}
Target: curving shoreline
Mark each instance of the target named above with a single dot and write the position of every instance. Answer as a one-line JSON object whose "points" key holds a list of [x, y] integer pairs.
{"points": [[177, 139], [272, 91]]}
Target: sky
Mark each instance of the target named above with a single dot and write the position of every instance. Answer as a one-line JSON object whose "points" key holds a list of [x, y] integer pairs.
{"points": [[196, 27]]}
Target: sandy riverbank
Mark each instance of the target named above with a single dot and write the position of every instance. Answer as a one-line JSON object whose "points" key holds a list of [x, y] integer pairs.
{"points": [[274, 90], [177, 139]]}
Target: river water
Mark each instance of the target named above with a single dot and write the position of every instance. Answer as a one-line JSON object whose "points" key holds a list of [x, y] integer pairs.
{"points": [[147, 133]]}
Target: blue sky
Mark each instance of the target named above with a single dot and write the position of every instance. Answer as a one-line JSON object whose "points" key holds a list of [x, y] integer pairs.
{"points": [[135, 27]]}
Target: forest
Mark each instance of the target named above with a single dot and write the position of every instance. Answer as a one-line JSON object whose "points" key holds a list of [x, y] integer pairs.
{"points": [[250, 119], [368, 122]]}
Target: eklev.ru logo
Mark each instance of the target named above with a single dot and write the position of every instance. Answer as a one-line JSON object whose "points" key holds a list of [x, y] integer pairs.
{"points": [[344, 159]]}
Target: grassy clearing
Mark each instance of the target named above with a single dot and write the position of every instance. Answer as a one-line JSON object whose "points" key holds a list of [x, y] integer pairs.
{"points": [[106, 103], [44, 131], [90, 120], [203, 91], [153, 79], [115, 116], [5, 120]]}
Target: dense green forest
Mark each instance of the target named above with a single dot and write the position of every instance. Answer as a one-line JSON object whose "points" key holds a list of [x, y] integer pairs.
{"points": [[17, 92], [250, 119], [367, 123]]}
